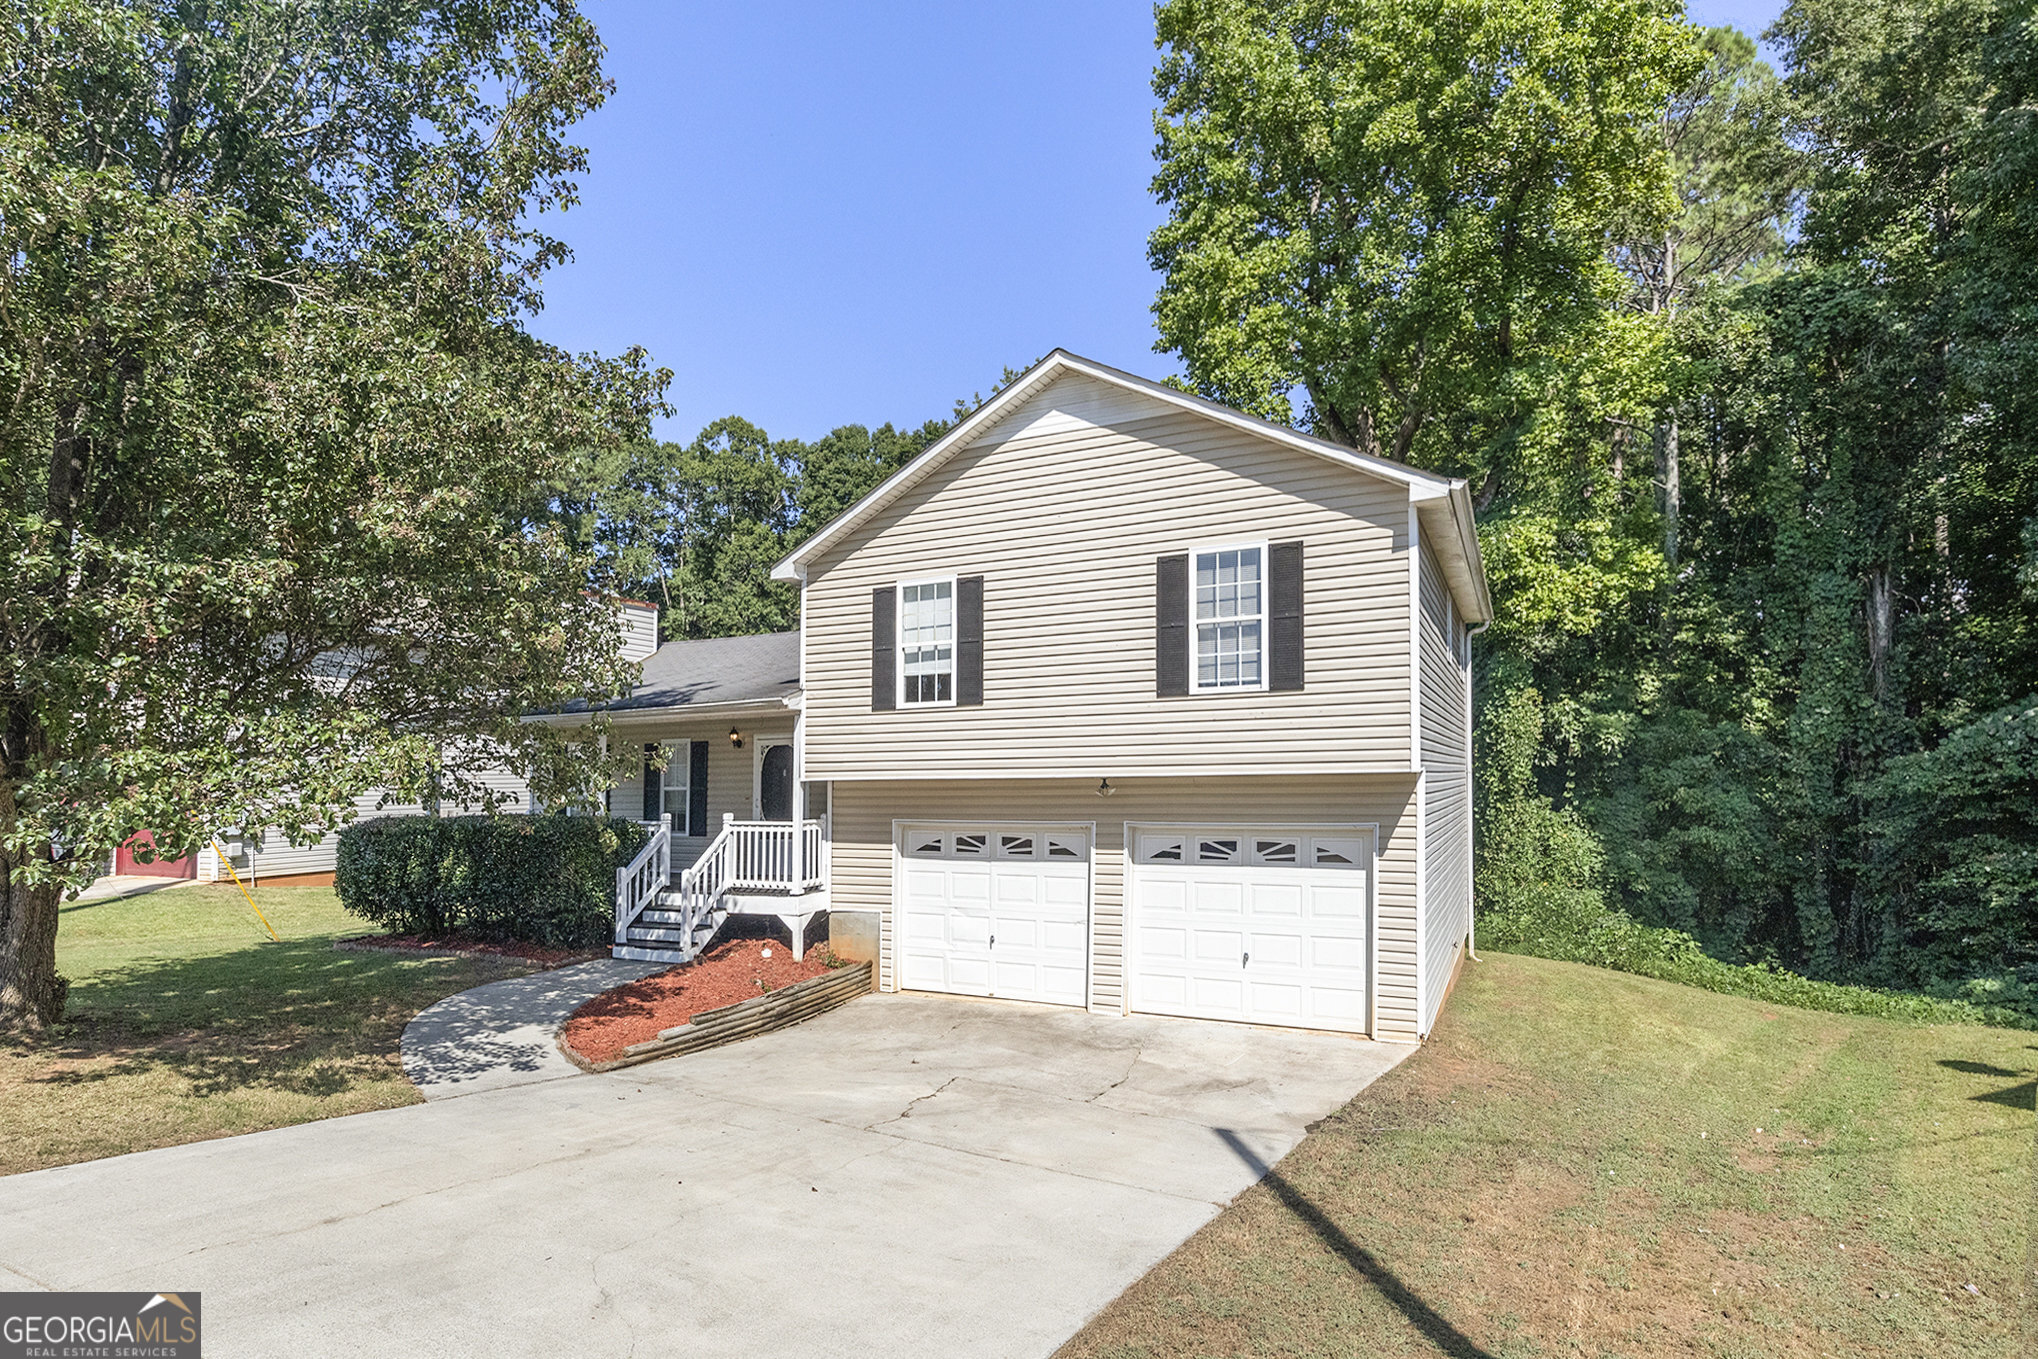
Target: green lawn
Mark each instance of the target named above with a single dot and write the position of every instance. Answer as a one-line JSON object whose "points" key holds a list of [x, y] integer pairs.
{"points": [[187, 1022], [1582, 1162]]}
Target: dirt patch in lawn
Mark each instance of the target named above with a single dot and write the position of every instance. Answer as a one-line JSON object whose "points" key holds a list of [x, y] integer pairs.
{"points": [[740, 969], [459, 946]]}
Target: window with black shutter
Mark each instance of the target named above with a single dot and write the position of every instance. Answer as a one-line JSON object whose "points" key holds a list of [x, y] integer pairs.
{"points": [[1229, 619], [678, 794]]}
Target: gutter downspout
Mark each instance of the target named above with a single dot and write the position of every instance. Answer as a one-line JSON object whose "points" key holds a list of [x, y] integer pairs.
{"points": [[1472, 917]]}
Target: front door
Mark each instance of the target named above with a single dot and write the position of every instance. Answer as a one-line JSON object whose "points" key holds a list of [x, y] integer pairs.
{"points": [[775, 784]]}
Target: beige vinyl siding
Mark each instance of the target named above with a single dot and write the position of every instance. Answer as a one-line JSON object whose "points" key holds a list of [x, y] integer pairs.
{"points": [[732, 777], [276, 856], [1447, 789], [640, 629], [1063, 509], [862, 851]]}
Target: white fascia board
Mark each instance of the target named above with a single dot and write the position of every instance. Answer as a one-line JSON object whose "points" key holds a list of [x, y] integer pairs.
{"points": [[1454, 538], [1423, 485]]}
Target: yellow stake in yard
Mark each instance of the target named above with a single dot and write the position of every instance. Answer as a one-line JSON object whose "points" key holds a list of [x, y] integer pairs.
{"points": [[221, 849]]}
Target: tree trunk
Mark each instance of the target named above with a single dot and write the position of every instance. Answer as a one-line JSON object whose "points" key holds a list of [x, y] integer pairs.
{"points": [[1673, 493], [1881, 632], [31, 992]]}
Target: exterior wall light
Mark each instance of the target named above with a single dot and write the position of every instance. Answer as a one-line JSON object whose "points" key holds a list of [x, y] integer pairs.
{"points": [[735, 738], [1104, 788]]}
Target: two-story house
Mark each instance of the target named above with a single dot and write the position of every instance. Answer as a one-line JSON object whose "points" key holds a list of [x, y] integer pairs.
{"points": [[1113, 698]]}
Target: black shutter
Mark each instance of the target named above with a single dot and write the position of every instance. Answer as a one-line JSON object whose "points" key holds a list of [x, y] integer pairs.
{"points": [[1171, 626], [651, 782], [697, 789], [884, 649], [1284, 616], [969, 641]]}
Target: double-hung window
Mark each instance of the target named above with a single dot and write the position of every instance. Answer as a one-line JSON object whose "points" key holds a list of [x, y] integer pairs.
{"points": [[1230, 614], [673, 783], [927, 642]]}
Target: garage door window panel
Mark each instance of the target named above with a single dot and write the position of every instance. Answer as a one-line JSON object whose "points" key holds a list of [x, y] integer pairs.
{"points": [[1277, 852]]}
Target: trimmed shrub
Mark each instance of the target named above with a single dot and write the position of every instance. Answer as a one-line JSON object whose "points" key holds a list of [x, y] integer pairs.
{"points": [[548, 879]]}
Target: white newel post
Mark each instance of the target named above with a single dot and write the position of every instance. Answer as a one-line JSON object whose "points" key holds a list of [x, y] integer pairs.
{"points": [[798, 858]]}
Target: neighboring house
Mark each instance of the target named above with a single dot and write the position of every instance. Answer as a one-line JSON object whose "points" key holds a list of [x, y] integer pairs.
{"points": [[1113, 698], [270, 857]]}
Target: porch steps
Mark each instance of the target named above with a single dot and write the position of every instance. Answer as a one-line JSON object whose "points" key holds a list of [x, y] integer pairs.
{"points": [[658, 934]]}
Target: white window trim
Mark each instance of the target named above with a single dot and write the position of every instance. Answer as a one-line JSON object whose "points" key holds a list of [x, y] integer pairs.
{"points": [[678, 763], [899, 641], [1196, 686]]}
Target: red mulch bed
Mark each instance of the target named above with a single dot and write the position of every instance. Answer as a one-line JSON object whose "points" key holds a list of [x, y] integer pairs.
{"points": [[457, 946], [725, 974]]}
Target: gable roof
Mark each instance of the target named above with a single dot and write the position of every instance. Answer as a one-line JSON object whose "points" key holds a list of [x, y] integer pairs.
{"points": [[1444, 504]]}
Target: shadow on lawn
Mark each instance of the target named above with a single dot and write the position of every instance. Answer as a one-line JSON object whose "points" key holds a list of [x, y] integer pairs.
{"points": [[297, 1017], [1421, 1315], [2024, 1096]]}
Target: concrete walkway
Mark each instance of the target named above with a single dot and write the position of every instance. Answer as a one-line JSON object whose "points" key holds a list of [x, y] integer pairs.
{"points": [[119, 886], [505, 1033], [906, 1175]]}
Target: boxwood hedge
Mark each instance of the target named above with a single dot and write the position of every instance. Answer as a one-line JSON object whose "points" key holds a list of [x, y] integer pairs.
{"points": [[546, 879]]}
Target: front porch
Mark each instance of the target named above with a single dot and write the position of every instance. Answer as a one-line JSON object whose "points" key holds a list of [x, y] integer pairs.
{"points": [[667, 912]]}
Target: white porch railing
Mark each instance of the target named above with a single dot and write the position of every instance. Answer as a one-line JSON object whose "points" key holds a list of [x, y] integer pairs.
{"points": [[760, 857], [639, 883]]}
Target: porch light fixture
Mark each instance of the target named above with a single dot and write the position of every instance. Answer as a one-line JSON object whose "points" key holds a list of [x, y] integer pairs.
{"points": [[1104, 788], [735, 738]]}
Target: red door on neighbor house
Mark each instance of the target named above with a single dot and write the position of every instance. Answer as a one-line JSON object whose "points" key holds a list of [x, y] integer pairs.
{"points": [[124, 860]]}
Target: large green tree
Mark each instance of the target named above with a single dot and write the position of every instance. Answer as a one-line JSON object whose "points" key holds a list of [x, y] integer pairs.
{"points": [[1401, 209], [273, 435]]}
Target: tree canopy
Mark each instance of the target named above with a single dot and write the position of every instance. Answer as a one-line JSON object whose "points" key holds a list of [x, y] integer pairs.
{"points": [[274, 436]]}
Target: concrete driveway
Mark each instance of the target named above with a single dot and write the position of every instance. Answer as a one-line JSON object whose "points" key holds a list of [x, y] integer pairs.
{"points": [[906, 1175]]}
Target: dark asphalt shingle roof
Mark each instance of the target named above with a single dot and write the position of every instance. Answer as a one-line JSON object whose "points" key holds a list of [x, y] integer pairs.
{"points": [[718, 670]]}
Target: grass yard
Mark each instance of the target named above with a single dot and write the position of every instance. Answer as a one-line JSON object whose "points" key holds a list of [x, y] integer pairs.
{"points": [[1582, 1162], [187, 1022]]}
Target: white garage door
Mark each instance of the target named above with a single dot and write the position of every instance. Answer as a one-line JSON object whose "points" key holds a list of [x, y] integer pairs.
{"points": [[995, 911], [1264, 926]]}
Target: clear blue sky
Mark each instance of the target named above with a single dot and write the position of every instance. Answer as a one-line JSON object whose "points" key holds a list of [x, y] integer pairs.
{"points": [[818, 214]]}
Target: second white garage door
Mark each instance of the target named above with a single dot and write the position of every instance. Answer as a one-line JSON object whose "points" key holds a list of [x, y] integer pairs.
{"points": [[995, 910], [1268, 926]]}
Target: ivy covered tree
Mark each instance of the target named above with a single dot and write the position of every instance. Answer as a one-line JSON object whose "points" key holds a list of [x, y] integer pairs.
{"points": [[274, 437]]}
